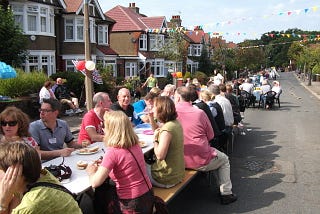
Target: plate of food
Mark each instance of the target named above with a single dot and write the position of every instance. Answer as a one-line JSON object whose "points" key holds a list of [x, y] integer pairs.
{"points": [[88, 150], [142, 144]]}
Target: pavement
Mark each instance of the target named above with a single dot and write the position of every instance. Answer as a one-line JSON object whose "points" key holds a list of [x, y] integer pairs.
{"points": [[75, 121]]}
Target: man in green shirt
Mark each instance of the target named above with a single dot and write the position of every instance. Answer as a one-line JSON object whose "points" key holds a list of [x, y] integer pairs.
{"points": [[151, 82]]}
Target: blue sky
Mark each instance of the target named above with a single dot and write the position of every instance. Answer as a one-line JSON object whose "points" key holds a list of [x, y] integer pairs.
{"points": [[234, 20]]}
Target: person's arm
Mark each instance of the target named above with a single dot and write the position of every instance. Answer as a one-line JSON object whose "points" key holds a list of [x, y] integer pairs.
{"points": [[94, 136], [73, 144], [97, 174], [161, 144], [47, 155]]}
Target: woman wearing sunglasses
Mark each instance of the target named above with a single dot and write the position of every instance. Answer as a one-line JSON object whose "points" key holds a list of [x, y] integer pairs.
{"points": [[15, 126]]}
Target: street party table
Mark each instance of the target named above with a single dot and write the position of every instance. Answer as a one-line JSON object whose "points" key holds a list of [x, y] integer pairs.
{"points": [[79, 180]]}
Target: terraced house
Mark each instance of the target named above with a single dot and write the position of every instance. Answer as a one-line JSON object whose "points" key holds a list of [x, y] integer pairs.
{"points": [[121, 37], [55, 29]]}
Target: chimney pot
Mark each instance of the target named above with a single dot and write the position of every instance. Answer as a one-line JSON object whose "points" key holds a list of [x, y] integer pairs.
{"points": [[133, 4]]}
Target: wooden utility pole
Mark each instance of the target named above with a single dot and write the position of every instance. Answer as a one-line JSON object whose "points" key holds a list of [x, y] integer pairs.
{"points": [[88, 79]]}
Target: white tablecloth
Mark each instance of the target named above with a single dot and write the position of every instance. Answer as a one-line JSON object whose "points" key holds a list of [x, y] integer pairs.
{"points": [[79, 180]]}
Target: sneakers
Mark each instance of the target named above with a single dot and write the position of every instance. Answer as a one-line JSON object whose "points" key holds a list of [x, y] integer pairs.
{"points": [[77, 111], [228, 199]]}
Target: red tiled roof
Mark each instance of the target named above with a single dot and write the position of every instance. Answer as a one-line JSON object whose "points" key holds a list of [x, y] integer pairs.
{"points": [[196, 36], [128, 20], [155, 22], [106, 50], [73, 5]]}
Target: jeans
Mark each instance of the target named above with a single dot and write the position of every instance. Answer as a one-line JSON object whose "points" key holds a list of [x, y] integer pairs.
{"points": [[221, 163]]}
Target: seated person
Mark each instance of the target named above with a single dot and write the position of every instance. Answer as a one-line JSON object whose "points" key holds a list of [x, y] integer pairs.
{"points": [[51, 133], [168, 170], [169, 91], [123, 103], [265, 87], [20, 167], [123, 162], [91, 128], [141, 109], [62, 93], [197, 132], [276, 88], [46, 92]]}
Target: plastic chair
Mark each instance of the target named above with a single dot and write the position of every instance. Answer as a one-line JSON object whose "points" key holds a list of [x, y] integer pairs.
{"points": [[267, 99], [248, 98], [277, 98]]}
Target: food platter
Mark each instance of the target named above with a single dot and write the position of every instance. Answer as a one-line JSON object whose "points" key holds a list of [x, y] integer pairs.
{"points": [[88, 150]]}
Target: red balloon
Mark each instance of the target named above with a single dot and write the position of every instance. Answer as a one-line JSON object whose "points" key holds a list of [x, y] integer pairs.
{"points": [[81, 65]]}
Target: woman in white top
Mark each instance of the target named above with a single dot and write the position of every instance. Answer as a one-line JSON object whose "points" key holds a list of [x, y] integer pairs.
{"points": [[276, 88], [265, 87], [46, 92]]}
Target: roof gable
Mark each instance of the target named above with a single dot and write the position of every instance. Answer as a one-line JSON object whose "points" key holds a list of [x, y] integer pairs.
{"points": [[197, 36], [76, 6], [128, 20]]}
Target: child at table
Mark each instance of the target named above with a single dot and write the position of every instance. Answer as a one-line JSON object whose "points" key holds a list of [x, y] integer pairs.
{"points": [[120, 162]]}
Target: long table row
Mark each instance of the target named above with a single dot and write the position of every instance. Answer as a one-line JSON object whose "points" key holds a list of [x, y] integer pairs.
{"points": [[79, 180]]}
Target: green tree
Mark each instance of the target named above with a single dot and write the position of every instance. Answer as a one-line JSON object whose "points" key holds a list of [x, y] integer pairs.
{"points": [[175, 48], [205, 64], [13, 43]]}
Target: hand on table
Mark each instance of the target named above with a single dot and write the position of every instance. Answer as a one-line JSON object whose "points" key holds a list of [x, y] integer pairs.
{"points": [[66, 152]]}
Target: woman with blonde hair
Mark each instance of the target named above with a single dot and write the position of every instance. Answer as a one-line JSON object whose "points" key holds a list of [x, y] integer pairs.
{"points": [[124, 162]]}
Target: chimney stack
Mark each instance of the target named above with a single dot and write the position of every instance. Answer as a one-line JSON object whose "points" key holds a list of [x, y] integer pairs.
{"points": [[133, 7]]}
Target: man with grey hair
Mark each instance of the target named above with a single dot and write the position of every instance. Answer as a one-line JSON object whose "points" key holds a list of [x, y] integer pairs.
{"points": [[124, 103], [91, 129]]}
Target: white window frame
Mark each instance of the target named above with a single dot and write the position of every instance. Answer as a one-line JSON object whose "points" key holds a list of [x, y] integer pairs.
{"points": [[103, 38], [131, 69], [34, 19], [156, 41], [39, 60], [93, 29], [143, 42], [157, 67]]}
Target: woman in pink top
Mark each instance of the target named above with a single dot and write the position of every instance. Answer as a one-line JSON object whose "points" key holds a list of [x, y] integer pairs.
{"points": [[119, 163]]}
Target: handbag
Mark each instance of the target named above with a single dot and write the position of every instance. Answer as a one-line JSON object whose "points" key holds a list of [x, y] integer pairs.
{"points": [[150, 157], [160, 207], [61, 171]]}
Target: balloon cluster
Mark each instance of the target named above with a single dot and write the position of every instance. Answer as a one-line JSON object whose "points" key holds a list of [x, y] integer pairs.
{"points": [[82, 65], [6, 71]]}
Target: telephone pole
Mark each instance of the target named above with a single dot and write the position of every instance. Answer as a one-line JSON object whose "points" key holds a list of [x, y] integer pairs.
{"points": [[88, 78]]}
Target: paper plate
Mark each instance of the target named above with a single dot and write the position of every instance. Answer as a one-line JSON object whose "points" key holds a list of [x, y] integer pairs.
{"points": [[147, 132]]}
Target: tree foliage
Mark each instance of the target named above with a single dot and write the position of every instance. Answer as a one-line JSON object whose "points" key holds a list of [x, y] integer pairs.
{"points": [[13, 43], [205, 65]]}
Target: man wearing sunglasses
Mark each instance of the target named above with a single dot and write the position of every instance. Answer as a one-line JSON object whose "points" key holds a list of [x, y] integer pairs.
{"points": [[51, 133]]}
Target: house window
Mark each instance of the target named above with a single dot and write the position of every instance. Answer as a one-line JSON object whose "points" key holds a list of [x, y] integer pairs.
{"points": [[92, 30], [156, 41], [18, 14], [143, 42], [103, 34], [41, 61], [130, 69], [157, 68], [70, 65], [74, 29], [34, 19]]}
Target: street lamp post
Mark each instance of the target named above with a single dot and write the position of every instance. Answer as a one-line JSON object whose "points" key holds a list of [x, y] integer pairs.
{"points": [[88, 77]]}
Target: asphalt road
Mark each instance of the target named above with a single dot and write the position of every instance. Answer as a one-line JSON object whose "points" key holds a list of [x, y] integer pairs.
{"points": [[275, 167]]}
